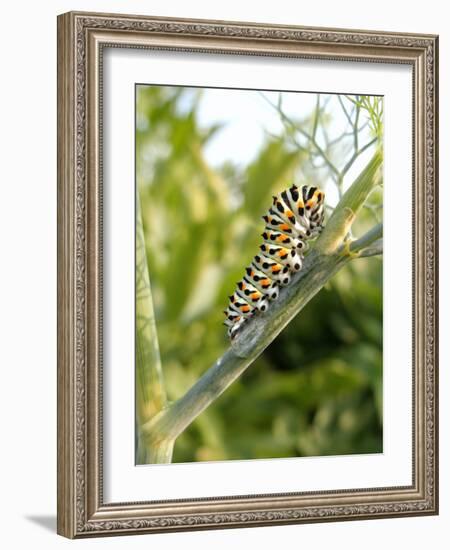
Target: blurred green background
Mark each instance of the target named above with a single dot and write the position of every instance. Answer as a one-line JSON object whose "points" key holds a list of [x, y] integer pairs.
{"points": [[206, 171]]}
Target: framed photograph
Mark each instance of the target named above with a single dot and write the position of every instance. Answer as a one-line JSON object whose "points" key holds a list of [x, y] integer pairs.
{"points": [[247, 274]]}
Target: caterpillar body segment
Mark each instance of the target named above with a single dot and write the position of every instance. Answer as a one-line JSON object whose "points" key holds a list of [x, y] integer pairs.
{"points": [[262, 282], [247, 292], [277, 238], [275, 270], [295, 217]]}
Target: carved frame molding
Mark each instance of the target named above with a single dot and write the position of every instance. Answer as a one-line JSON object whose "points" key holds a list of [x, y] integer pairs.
{"points": [[81, 38]]}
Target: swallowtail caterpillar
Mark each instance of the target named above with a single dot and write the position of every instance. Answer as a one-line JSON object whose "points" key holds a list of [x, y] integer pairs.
{"points": [[295, 217]]}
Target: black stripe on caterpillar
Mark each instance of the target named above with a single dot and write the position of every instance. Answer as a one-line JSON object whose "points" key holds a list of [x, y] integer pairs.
{"points": [[295, 217]]}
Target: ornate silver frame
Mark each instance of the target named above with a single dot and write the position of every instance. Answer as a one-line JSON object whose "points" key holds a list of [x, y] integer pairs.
{"points": [[81, 510]]}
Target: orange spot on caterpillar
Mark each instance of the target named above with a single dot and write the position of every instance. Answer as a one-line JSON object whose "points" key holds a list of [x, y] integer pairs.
{"points": [[283, 238]]}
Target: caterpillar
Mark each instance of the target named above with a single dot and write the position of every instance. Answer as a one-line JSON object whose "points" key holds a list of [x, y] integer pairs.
{"points": [[295, 217]]}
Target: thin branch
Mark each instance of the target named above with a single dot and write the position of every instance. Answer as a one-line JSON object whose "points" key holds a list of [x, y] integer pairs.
{"points": [[305, 134], [364, 125], [338, 139], [350, 121], [355, 155], [316, 117], [368, 238], [367, 145], [355, 129], [375, 249]]}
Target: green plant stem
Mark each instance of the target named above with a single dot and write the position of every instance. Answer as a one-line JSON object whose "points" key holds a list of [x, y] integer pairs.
{"points": [[374, 235], [345, 212], [375, 249], [150, 391], [158, 452], [328, 256]]}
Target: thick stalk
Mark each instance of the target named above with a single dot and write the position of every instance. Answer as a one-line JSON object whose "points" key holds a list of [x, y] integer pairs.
{"points": [[150, 391]]}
